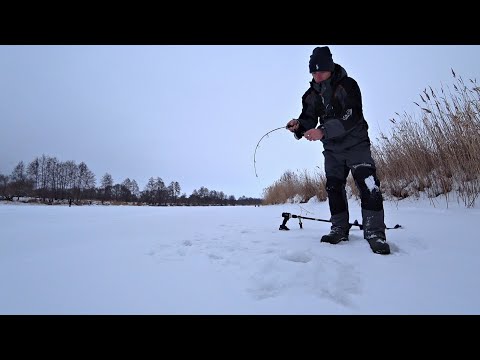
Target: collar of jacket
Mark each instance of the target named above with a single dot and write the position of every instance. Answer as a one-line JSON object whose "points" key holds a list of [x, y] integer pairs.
{"points": [[338, 74]]}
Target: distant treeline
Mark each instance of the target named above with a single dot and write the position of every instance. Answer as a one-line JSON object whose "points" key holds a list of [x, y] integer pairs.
{"points": [[49, 180]]}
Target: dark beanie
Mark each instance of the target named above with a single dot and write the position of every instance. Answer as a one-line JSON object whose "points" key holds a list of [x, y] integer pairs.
{"points": [[321, 60]]}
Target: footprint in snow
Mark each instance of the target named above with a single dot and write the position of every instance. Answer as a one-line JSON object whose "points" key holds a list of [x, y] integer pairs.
{"points": [[297, 256], [320, 276]]}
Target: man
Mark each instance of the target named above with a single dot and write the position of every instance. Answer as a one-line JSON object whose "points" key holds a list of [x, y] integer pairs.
{"points": [[332, 112]]}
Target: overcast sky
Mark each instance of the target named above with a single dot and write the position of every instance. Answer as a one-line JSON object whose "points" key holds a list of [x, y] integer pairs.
{"points": [[194, 114]]}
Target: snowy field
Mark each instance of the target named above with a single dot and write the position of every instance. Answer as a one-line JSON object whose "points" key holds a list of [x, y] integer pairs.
{"points": [[234, 260]]}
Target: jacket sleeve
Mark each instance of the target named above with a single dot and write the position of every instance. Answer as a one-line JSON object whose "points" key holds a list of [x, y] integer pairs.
{"points": [[349, 113], [308, 118]]}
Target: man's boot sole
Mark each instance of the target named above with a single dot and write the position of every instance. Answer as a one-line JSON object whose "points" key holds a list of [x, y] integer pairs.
{"points": [[333, 243], [382, 252], [385, 251]]}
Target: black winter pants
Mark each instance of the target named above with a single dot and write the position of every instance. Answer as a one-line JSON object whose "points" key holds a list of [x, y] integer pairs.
{"points": [[353, 154]]}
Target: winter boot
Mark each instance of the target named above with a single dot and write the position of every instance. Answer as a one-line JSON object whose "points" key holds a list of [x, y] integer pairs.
{"points": [[374, 231], [379, 245], [336, 235], [338, 230]]}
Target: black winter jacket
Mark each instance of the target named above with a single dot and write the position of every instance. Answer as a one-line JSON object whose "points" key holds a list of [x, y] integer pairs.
{"points": [[336, 103]]}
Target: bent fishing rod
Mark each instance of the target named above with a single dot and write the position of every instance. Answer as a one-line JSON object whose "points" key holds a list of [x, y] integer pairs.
{"points": [[255, 153]]}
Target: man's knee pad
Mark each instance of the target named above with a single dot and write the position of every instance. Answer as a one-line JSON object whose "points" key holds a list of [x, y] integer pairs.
{"points": [[365, 172]]}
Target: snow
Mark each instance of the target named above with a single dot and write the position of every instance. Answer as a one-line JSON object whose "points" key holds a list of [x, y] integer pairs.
{"points": [[234, 260], [370, 182]]}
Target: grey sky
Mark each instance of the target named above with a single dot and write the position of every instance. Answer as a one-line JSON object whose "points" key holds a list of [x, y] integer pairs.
{"points": [[194, 114]]}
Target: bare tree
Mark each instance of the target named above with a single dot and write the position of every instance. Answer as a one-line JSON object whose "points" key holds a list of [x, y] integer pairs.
{"points": [[3, 187], [203, 193], [18, 173], [194, 198], [86, 180], [148, 194], [126, 193], [33, 171], [222, 198], [70, 175], [170, 193], [52, 177], [175, 186], [106, 187], [43, 177], [134, 189], [62, 180], [41, 171], [19, 184], [117, 192], [160, 191]]}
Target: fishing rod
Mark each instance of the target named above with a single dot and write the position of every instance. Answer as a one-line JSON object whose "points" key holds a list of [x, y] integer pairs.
{"points": [[286, 216], [255, 153]]}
